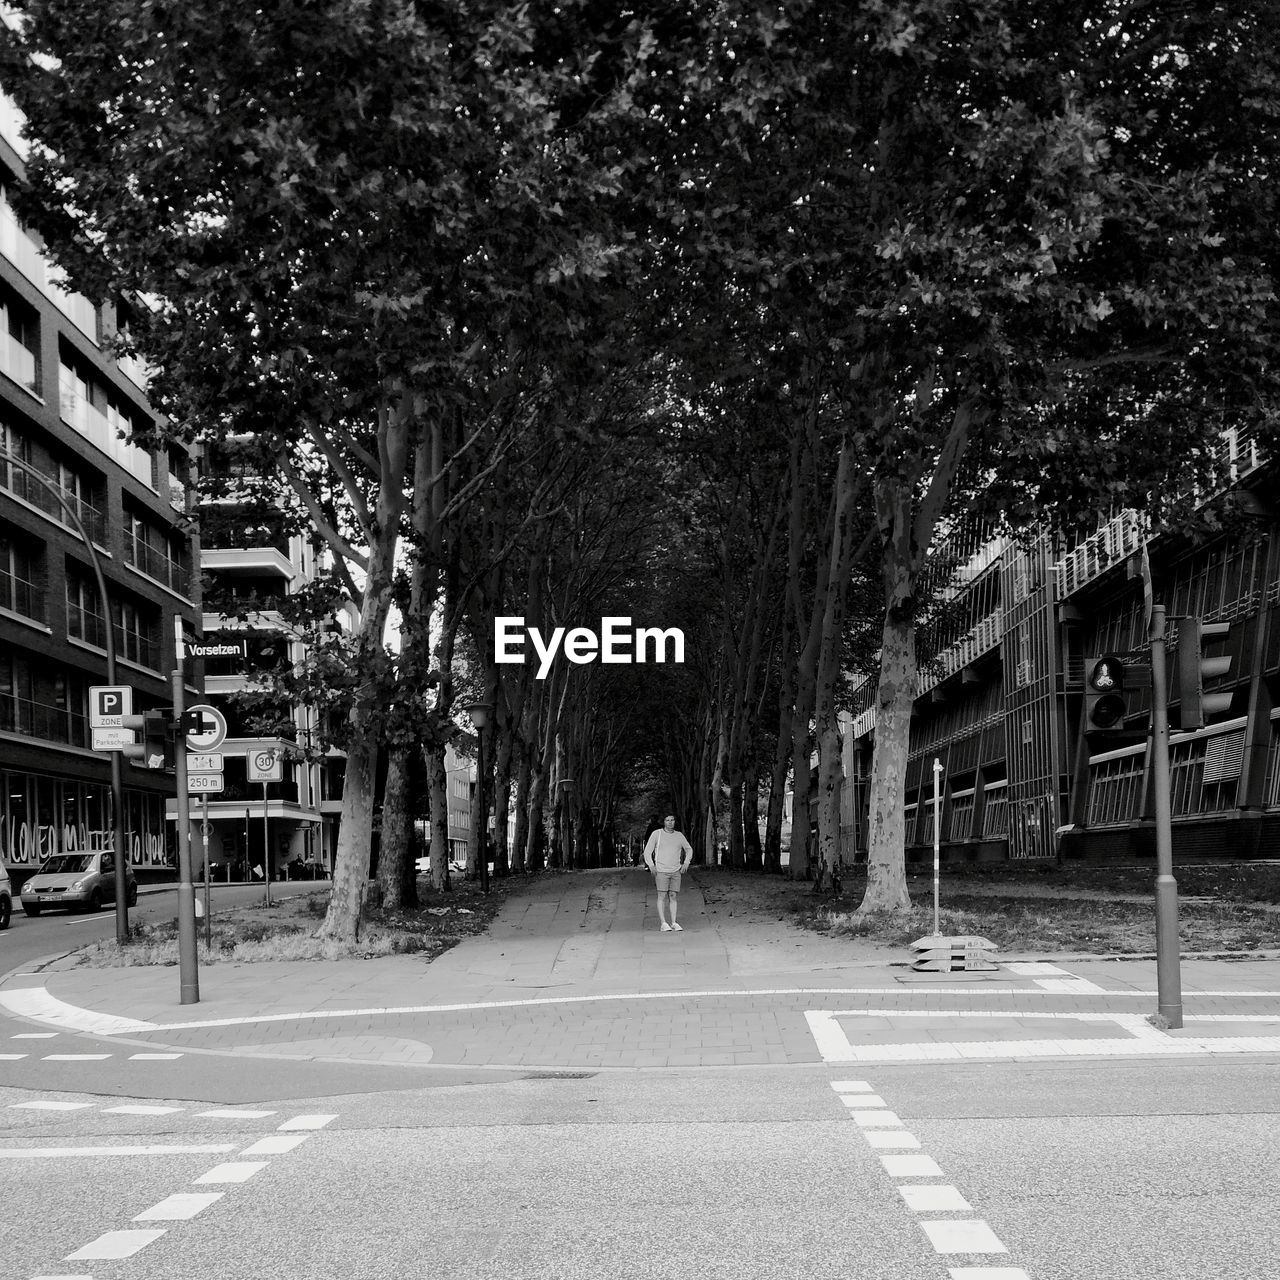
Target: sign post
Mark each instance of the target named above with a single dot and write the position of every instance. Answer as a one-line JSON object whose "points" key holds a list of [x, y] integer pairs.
{"points": [[188, 973], [263, 765], [208, 903]]}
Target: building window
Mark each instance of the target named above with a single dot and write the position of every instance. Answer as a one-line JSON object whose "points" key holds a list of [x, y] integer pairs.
{"points": [[77, 490], [1115, 788], [84, 610], [20, 345], [960, 821], [995, 811], [85, 406], [20, 578], [136, 630], [158, 554]]}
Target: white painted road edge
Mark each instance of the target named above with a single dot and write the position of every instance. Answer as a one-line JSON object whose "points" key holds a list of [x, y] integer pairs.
{"points": [[1141, 1037], [37, 1004]]}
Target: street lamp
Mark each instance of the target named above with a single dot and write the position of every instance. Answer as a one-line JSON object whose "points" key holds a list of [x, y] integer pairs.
{"points": [[117, 790], [481, 714]]}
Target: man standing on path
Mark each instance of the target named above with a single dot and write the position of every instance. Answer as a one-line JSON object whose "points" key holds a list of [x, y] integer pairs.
{"points": [[667, 854]]}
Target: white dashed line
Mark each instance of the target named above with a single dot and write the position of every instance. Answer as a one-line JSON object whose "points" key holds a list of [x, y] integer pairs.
{"points": [[927, 1198], [876, 1119], [153, 1057], [963, 1235], [12, 1057], [888, 1139], [308, 1122], [856, 1101], [911, 1166], [233, 1171], [229, 1113], [140, 1110], [76, 1057], [988, 1273], [274, 1146], [35, 1035], [180, 1207], [116, 1244], [49, 1106]]}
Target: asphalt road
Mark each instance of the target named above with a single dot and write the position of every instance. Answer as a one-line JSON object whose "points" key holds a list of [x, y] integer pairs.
{"points": [[1119, 1170]]}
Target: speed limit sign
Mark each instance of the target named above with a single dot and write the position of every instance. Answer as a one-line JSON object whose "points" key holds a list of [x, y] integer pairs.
{"points": [[264, 764]]}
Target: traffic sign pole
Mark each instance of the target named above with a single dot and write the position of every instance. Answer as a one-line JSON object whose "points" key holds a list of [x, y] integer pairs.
{"points": [[1168, 957], [266, 844], [188, 972], [208, 901]]}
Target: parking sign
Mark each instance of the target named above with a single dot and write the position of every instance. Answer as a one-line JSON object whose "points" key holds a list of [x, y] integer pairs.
{"points": [[108, 704]]}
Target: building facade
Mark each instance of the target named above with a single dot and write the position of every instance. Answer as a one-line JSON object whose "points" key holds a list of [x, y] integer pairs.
{"points": [[1002, 709], [66, 410]]}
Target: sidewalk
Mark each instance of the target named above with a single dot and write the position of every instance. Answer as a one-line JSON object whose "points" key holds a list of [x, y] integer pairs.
{"points": [[574, 974]]}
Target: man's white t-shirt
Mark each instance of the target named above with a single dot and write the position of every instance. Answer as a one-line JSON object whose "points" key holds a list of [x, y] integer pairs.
{"points": [[665, 848]]}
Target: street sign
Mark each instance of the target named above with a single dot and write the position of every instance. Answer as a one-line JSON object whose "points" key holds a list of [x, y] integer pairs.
{"points": [[264, 765], [111, 739], [206, 763], [202, 783], [107, 704], [206, 727]]}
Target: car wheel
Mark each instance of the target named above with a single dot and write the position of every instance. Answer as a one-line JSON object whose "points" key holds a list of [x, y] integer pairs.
{"points": [[31, 911], [6, 911], [95, 900], [132, 899]]}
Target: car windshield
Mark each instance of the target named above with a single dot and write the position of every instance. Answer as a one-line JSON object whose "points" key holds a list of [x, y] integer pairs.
{"points": [[66, 863]]}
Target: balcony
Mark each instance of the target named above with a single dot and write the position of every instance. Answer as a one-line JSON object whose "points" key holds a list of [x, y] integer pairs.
{"points": [[37, 495], [249, 559], [1118, 539], [20, 596], [41, 720], [19, 363], [159, 566]]}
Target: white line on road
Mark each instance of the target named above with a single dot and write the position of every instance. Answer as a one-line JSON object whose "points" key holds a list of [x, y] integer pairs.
{"points": [[229, 1113], [307, 1122], [12, 1057], [274, 1146], [180, 1207], [37, 1003], [35, 1035], [74, 1153], [116, 1244], [140, 1109], [877, 1119], [911, 1166], [963, 1235], [49, 1106], [988, 1273], [75, 1057], [934, 1199], [153, 1057], [233, 1171]]}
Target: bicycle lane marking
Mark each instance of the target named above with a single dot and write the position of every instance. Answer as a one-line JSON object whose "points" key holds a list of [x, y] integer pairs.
{"points": [[903, 1160]]}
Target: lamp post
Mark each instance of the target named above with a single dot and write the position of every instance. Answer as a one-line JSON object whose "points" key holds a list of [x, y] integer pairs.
{"points": [[117, 789], [481, 714]]}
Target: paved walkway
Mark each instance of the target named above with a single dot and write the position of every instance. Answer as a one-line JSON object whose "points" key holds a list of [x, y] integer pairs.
{"points": [[575, 975]]}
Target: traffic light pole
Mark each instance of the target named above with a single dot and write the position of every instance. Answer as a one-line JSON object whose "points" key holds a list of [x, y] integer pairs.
{"points": [[187, 972], [1168, 953]]}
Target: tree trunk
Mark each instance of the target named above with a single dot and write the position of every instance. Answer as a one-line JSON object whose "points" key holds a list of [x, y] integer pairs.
{"points": [[396, 847], [752, 857], [438, 783]]}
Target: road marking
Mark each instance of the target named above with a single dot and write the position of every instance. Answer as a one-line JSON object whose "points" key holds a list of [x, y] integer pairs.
{"points": [[116, 1244], [934, 1199], [890, 1138], [49, 1106], [53, 1153], [307, 1122], [851, 1086], [229, 1113], [180, 1207], [140, 1110], [37, 1003], [911, 1166], [274, 1146], [35, 1035], [80, 1277], [963, 1235], [12, 1057], [76, 1057], [233, 1171], [1140, 1037], [153, 1057], [855, 1101], [876, 1119], [988, 1273]]}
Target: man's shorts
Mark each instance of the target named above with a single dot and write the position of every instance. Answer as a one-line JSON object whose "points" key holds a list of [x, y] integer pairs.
{"points": [[668, 881]]}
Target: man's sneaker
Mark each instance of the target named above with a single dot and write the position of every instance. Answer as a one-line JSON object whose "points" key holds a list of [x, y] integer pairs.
{"points": [[679, 928], [666, 928]]}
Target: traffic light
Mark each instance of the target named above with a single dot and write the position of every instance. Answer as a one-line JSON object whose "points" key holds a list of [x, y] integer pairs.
{"points": [[1105, 705], [157, 750], [1193, 669]]}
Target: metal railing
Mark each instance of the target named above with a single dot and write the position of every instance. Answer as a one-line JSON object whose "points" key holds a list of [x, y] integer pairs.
{"points": [[41, 720], [158, 565], [20, 485], [21, 596]]}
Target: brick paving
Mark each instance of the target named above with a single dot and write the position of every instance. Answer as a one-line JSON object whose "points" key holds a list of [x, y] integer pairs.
{"points": [[574, 974]]}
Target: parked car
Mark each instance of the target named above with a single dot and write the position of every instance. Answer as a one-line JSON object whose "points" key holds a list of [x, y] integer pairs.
{"points": [[6, 899], [77, 881]]}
